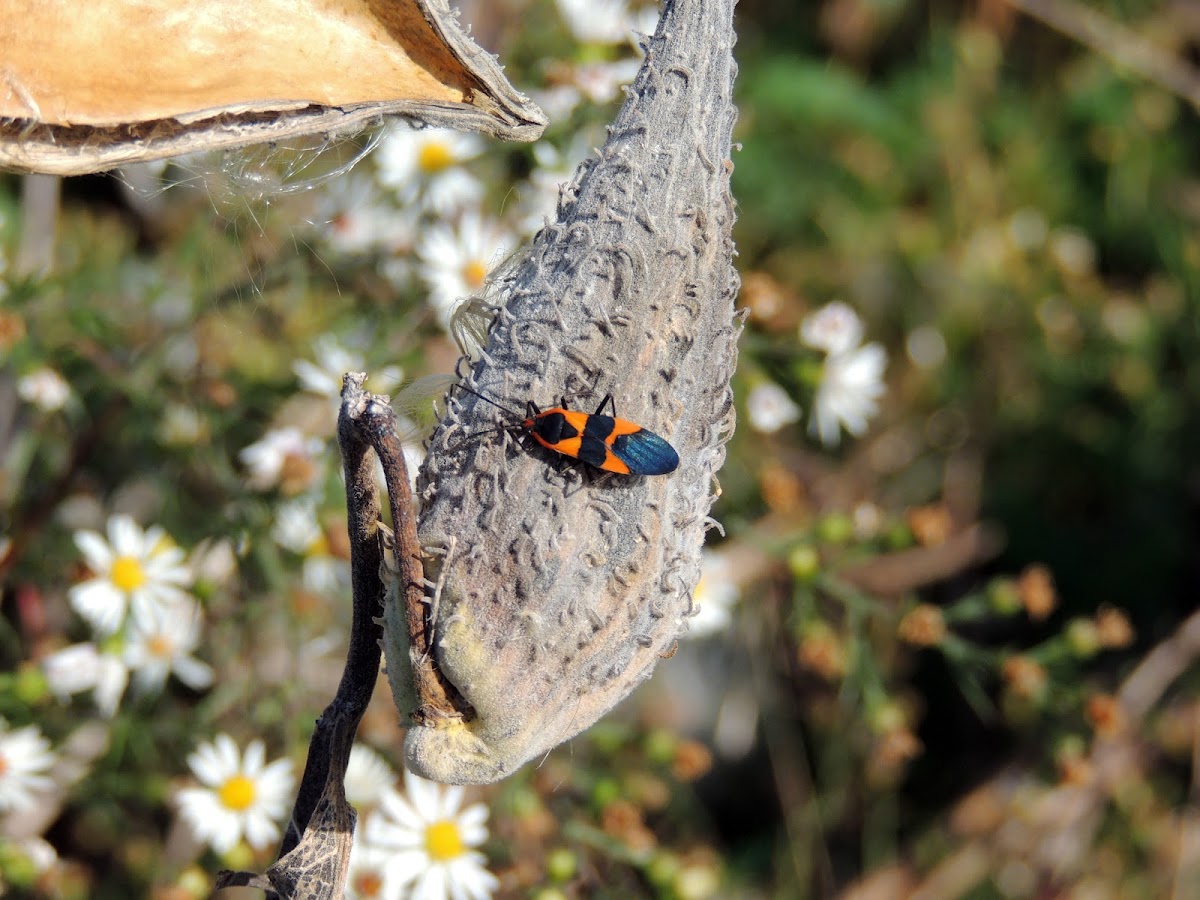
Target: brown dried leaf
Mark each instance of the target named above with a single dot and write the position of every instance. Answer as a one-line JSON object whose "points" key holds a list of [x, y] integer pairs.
{"points": [[88, 86]]}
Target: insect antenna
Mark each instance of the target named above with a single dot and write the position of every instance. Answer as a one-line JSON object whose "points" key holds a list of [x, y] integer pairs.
{"points": [[513, 413], [510, 427]]}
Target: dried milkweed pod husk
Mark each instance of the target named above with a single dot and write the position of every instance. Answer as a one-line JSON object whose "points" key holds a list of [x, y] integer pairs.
{"points": [[553, 594], [90, 86]]}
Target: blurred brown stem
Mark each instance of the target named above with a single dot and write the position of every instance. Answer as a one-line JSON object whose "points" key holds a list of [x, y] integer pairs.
{"points": [[39, 224], [1116, 42]]}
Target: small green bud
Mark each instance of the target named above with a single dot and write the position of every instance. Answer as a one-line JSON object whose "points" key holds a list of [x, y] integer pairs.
{"points": [[561, 864], [1003, 596], [605, 792], [663, 868], [30, 685], [804, 562], [660, 746], [1083, 638], [898, 536], [835, 528]]}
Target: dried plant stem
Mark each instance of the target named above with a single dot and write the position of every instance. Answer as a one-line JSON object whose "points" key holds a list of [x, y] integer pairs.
{"points": [[315, 850], [363, 654], [437, 698]]}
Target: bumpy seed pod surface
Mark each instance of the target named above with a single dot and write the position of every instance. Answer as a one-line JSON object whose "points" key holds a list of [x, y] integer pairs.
{"points": [[559, 590]]}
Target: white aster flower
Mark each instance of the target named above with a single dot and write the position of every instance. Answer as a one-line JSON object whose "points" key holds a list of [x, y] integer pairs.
{"points": [[834, 328], [160, 643], [455, 260], [715, 596], [323, 573], [428, 163], [770, 408], [283, 456], [597, 21], [25, 757], [133, 567], [431, 841], [45, 389], [324, 377], [297, 528], [353, 221], [369, 877], [557, 101], [368, 776], [214, 561], [83, 667], [241, 797], [851, 385]]}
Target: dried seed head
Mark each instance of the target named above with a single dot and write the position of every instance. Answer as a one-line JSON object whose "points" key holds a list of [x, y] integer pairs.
{"points": [[559, 590]]}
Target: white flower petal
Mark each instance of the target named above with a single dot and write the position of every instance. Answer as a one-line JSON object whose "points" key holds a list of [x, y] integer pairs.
{"points": [[848, 395], [25, 758], [96, 552], [125, 537], [770, 408], [226, 750], [100, 603], [110, 685], [834, 328], [195, 674], [368, 776], [451, 800], [259, 830], [252, 759]]}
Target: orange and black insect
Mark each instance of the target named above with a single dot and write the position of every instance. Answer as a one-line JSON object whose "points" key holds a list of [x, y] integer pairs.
{"points": [[606, 442]]}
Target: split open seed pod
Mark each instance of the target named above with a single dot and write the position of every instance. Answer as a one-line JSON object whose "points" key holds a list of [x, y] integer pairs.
{"points": [[554, 592], [90, 86]]}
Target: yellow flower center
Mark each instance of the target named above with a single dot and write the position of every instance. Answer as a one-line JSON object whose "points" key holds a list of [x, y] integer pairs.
{"points": [[160, 646], [237, 793], [474, 274], [127, 573], [434, 158], [318, 547], [3, 765], [443, 842], [368, 884]]}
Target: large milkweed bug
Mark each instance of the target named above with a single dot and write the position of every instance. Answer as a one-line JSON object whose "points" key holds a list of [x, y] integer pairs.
{"points": [[606, 442]]}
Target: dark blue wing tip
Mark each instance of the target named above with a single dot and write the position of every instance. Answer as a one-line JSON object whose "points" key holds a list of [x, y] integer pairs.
{"points": [[646, 453]]}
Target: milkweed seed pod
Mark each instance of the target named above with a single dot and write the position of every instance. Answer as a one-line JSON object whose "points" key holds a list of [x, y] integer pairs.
{"points": [[110, 85], [553, 592]]}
